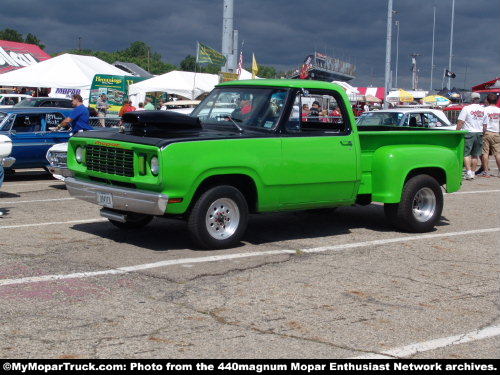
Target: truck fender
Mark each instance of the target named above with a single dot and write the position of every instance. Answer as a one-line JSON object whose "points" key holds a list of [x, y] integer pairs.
{"points": [[393, 165]]}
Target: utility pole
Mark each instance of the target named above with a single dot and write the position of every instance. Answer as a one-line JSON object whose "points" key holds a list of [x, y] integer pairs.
{"points": [[451, 40], [228, 35], [432, 56], [388, 51], [397, 55], [79, 43], [414, 70]]}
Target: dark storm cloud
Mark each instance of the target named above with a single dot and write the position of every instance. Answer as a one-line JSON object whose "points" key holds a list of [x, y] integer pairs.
{"points": [[280, 32]]}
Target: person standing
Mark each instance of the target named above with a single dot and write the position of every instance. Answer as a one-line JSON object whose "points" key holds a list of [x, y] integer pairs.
{"points": [[149, 106], [78, 118], [102, 109], [471, 120], [127, 107], [141, 107], [491, 137]]}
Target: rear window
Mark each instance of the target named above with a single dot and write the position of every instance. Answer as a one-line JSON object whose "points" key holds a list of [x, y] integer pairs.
{"points": [[28, 102], [380, 119]]}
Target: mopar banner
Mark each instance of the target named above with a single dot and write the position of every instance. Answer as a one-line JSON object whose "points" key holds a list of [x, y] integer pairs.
{"points": [[15, 55], [114, 87]]}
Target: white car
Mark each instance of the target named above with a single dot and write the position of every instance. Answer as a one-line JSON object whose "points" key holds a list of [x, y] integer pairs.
{"points": [[5, 150], [407, 117], [9, 100], [57, 156]]}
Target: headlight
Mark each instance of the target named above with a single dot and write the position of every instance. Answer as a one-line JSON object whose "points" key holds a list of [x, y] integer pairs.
{"points": [[155, 166], [79, 154]]}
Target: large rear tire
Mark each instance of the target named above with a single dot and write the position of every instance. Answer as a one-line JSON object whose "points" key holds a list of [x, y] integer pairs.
{"points": [[219, 218], [420, 207]]}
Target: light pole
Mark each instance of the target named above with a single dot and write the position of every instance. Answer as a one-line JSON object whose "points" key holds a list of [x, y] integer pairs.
{"points": [[451, 40], [388, 51], [432, 56], [397, 54]]}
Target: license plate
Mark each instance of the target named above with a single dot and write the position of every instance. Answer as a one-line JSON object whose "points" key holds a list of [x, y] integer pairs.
{"points": [[105, 199]]}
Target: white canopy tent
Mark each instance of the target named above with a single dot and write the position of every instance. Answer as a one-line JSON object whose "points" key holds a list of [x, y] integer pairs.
{"points": [[352, 92], [245, 74], [65, 74], [189, 85]]}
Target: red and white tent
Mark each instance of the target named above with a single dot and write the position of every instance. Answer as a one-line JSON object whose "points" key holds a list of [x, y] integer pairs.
{"points": [[378, 92]]}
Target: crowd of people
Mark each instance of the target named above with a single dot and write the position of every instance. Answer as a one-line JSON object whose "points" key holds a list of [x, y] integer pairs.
{"points": [[482, 138]]}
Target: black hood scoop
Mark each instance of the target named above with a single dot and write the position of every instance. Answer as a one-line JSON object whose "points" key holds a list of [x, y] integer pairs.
{"points": [[163, 124]]}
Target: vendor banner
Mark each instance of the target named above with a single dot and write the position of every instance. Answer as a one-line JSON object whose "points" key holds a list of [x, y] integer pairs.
{"points": [[14, 55]]}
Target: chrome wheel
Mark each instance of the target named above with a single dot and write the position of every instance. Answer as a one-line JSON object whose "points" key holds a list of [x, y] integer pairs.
{"points": [[222, 218], [424, 205]]}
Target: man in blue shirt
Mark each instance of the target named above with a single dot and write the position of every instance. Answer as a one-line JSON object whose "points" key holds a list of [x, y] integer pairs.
{"points": [[79, 117]]}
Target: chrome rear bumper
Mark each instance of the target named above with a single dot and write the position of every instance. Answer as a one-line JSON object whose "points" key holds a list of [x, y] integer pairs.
{"points": [[7, 162], [124, 199]]}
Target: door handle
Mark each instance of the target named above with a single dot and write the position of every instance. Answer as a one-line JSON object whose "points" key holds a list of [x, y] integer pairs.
{"points": [[346, 143]]}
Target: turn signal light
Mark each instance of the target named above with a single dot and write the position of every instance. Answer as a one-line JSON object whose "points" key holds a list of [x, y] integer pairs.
{"points": [[175, 200]]}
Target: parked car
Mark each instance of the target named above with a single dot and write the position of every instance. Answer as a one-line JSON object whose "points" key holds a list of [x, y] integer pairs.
{"points": [[5, 150], [57, 157], [44, 102], [9, 100], [407, 117], [29, 129], [213, 169]]}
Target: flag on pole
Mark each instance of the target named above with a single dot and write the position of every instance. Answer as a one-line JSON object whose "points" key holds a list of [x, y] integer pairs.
{"points": [[205, 54], [304, 71], [255, 67], [240, 64], [449, 74]]}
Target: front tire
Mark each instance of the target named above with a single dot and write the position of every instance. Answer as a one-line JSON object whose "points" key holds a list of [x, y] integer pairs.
{"points": [[219, 218], [420, 207]]}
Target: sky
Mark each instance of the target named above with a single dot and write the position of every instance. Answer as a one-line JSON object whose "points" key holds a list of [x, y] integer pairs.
{"points": [[281, 33]]}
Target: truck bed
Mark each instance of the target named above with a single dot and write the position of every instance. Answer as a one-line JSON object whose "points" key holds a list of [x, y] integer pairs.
{"points": [[419, 148]]}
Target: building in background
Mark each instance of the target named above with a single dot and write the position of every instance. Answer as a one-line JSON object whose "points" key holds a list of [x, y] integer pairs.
{"points": [[14, 55], [321, 67]]}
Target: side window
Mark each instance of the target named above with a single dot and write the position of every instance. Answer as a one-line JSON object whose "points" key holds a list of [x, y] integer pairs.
{"points": [[415, 120], [317, 113], [47, 103], [27, 123], [431, 120], [53, 119]]}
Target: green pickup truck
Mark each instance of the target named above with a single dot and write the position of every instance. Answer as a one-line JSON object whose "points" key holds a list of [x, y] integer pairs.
{"points": [[259, 146]]}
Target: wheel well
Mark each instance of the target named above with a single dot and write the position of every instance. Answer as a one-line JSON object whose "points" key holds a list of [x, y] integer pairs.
{"points": [[438, 173], [243, 183]]}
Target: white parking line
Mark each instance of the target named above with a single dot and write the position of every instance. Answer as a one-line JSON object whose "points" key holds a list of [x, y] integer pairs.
{"points": [[6, 184], [38, 200], [216, 258], [52, 223], [473, 192], [412, 349]]}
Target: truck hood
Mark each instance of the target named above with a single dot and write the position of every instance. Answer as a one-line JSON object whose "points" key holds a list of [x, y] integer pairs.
{"points": [[161, 128]]}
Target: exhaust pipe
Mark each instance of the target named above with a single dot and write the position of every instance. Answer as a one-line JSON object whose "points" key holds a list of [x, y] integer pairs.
{"points": [[113, 215]]}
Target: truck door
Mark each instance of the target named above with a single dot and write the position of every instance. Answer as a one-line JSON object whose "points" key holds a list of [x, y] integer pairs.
{"points": [[319, 152]]}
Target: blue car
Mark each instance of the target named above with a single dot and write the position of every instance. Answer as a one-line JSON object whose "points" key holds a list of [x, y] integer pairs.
{"points": [[29, 129]]}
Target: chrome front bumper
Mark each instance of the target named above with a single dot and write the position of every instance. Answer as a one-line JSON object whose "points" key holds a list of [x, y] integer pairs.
{"points": [[60, 171], [7, 162], [124, 199]]}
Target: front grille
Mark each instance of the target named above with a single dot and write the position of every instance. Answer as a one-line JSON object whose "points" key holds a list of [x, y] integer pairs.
{"points": [[110, 160]]}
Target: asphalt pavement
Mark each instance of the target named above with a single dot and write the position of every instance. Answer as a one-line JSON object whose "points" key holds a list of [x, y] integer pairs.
{"points": [[313, 284]]}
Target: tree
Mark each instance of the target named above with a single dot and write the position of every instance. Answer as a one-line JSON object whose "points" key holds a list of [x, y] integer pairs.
{"points": [[32, 39], [189, 64], [11, 35]]}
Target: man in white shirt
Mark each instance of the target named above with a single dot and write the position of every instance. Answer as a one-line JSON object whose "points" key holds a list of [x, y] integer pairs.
{"points": [[491, 138], [471, 120]]}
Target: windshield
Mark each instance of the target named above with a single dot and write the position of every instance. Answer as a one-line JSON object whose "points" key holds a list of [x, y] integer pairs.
{"points": [[247, 107], [28, 102], [380, 118]]}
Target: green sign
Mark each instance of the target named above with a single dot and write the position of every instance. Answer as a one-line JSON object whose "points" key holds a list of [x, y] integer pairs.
{"points": [[114, 87]]}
